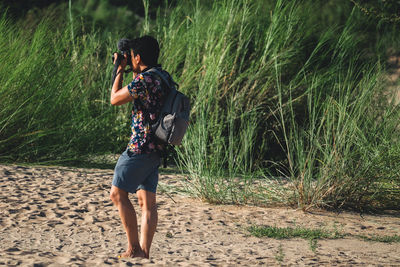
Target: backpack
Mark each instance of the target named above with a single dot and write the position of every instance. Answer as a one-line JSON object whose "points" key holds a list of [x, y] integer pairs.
{"points": [[173, 120]]}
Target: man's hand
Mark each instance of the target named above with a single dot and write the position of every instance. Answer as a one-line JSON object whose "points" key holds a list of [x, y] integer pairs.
{"points": [[120, 95], [123, 63]]}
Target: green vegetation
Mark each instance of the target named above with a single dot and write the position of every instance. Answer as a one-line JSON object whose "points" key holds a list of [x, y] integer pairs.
{"points": [[280, 255], [383, 9], [384, 239], [290, 100], [312, 234], [290, 232]]}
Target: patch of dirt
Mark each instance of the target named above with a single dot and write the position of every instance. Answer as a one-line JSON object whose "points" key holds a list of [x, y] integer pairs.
{"points": [[58, 216]]}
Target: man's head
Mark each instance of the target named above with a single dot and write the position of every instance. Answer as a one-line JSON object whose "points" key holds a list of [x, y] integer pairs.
{"points": [[146, 50]]}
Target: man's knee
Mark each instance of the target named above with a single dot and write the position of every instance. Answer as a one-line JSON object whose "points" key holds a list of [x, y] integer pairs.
{"points": [[149, 211], [141, 202], [117, 195], [147, 202], [148, 207]]}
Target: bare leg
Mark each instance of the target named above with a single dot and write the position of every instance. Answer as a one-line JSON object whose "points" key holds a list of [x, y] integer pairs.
{"points": [[128, 217], [147, 202]]}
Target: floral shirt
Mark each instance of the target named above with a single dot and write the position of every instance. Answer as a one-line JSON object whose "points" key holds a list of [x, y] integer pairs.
{"points": [[148, 97]]}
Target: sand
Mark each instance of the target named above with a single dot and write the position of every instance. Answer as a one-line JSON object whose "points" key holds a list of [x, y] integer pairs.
{"points": [[58, 216]]}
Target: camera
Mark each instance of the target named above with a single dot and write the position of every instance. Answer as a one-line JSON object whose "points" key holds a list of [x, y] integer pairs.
{"points": [[120, 57], [124, 46]]}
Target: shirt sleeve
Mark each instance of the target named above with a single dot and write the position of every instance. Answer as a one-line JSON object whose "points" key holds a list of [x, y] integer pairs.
{"points": [[137, 88]]}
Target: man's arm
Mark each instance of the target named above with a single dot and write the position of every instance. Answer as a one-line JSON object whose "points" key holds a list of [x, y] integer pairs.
{"points": [[119, 95]]}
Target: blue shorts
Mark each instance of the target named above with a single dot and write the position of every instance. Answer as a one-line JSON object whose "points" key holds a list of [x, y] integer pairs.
{"points": [[136, 171]]}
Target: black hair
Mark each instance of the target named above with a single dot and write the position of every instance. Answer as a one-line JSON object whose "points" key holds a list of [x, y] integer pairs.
{"points": [[148, 49]]}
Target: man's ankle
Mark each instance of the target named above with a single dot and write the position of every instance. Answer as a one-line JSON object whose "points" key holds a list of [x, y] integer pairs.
{"points": [[134, 248], [146, 254]]}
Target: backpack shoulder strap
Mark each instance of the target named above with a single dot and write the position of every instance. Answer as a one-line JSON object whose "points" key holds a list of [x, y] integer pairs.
{"points": [[161, 76], [166, 78]]}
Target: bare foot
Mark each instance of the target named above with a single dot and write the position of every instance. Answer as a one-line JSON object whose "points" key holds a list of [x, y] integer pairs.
{"points": [[131, 253]]}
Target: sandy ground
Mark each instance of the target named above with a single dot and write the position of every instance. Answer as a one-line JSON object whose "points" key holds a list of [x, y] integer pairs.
{"points": [[56, 216]]}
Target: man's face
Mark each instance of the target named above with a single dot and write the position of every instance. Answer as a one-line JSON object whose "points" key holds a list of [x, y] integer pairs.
{"points": [[135, 62]]}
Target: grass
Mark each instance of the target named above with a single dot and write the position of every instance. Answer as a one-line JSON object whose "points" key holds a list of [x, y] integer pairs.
{"points": [[383, 239], [287, 107], [318, 91], [292, 232], [312, 234], [280, 255]]}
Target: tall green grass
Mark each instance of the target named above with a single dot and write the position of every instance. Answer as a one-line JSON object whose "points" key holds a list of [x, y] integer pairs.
{"points": [[289, 101], [54, 95], [285, 92]]}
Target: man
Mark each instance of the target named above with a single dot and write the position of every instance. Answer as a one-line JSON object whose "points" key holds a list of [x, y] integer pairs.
{"points": [[137, 167]]}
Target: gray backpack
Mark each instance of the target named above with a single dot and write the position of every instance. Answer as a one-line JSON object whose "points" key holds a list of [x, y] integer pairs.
{"points": [[173, 120]]}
